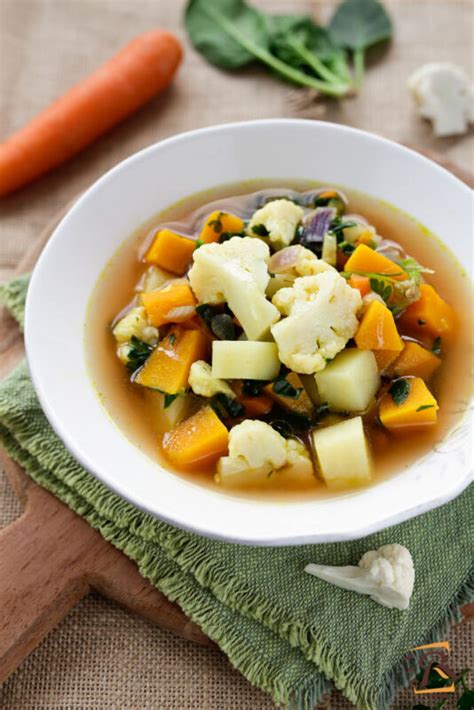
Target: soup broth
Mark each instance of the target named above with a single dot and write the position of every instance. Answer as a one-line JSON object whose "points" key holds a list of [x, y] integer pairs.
{"points": [[142, 421]]}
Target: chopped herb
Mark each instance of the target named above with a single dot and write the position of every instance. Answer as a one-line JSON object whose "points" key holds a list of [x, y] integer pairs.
{"points": [[199, 243], [223, 326], [225, 236], [138, 353], [216, 224], [421, 322], [399, 391], [231, 406], [284, 388], [169, 399], [425, 406], [436, 347], [252, 388], [346, 248], [260, 230], [382, 288], [413, 269], [172, 338], [338, 226]]}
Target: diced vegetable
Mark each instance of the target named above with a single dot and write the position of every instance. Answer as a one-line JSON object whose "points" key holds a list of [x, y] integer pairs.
{"points": [[231, 474], [416, 361], [172, 304], [309, 383], [196, 442], [366, 260], [408, 404], [154, 278], [377, 329], [244, 360], [171, 251], [167, 368], [349, 383], [329, 253], [279, 281], [165, 418], [220, 223], [288, 391], [254, 406], [429, 316], [343, 454], [361, 283], [385, 358]]}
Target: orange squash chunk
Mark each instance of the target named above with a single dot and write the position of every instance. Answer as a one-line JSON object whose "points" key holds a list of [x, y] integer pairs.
{"points": [[419, 409], [361, 283], [217, 223], [196, 442], [385, 358], [171, 251], [161, 304], [365, 259], [430, 315], [254, 406], [167, 368], [377, 330], [416, 361]]}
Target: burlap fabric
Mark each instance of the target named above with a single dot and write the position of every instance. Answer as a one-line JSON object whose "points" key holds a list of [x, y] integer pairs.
{"points": [[99, 656]]}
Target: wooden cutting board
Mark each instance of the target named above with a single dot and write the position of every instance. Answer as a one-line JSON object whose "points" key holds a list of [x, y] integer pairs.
{"points": [[50, 558]]}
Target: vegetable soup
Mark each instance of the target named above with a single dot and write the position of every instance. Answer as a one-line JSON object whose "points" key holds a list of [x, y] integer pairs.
{"points": [[282, 341]]}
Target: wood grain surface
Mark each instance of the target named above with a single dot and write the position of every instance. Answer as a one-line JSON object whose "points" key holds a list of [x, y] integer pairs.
{"points": [[50, 558]]}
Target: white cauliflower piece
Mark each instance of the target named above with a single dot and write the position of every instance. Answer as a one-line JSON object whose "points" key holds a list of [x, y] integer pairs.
{"points": [[322, 316], [280, 219], [135, 323], [256, 446], [444, 95], [386, 574], [236, 272], [203, 383]]}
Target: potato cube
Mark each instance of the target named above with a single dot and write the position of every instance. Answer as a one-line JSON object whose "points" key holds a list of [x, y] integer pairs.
{"points": [[244, 360], [350, 381], [343, 454]]}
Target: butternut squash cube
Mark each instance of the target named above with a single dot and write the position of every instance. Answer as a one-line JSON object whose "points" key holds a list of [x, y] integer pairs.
{"points": [[417, 409], [172, 304], [218, 223], [167, 368], [197, 442], [171, 251], [430, 315], [385, 358], [365, 260], [377, 329], [299, 404], [416, 361]]}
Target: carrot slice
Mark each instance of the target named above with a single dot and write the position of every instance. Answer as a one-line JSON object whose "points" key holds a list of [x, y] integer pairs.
{"points": [[171, 251], [172, 304], [197, 442], [167, 368], [109, 95], [367, 260], [217, 223]]}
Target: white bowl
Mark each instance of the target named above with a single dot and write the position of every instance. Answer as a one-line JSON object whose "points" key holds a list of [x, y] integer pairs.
{"points": [[157, 177]]}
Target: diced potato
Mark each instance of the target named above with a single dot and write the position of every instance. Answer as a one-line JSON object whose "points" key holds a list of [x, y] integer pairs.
{"points": [[244, 360], [154, 278], [418, 409], [329, 253], [253, 311], [278, 281], [343, 454], [301, 404], [176, 412], [350, 381]]}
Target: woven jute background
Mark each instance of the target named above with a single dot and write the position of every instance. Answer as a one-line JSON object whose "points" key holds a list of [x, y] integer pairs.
{"points": [[100, 657]]}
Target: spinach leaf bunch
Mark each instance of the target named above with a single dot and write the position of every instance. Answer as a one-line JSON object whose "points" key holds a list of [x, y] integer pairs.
{"points": [[232, 34]]}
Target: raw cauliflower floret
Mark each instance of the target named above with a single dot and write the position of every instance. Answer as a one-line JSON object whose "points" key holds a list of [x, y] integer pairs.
{"points": [[444, 95], [322, 316], [236, 272], [386, 574], [256, 446], [203, 383], [135, 323], [280, 218]]}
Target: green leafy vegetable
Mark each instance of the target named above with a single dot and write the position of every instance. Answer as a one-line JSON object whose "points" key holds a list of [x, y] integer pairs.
{"points": [[260, 230], [138, 353], [357, 25], [436, 347], [346, 248], [381, 287], [231, 407], [169, 399], [413, 269], [424, 406], [399, 391], [231, 34], [225, 236], [284, 388], [252, 388]]}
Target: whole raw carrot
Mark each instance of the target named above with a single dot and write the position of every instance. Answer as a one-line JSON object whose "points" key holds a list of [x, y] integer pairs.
{"points": [[117, 89]]}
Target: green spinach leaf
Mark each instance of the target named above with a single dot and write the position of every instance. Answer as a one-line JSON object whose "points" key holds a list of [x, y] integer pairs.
{"points": [[138, 353], [399, 391]]}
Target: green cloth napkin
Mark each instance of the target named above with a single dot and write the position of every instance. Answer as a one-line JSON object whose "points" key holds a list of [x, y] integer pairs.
{"points": [[286, 631]]}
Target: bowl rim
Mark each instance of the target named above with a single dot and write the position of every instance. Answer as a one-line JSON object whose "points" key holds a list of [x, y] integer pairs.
{"points": [[83, 457]]}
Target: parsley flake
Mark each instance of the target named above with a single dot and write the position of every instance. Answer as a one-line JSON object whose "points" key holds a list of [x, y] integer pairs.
{"points": [[399, 391]]}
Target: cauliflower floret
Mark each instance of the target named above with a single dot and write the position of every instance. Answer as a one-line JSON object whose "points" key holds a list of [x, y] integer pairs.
{"points": [[386, 574], [256, 448], [280, 219], [135, 323], [236, 272], [203, 383], [297, 261], [445, 95], [321, 318]]}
